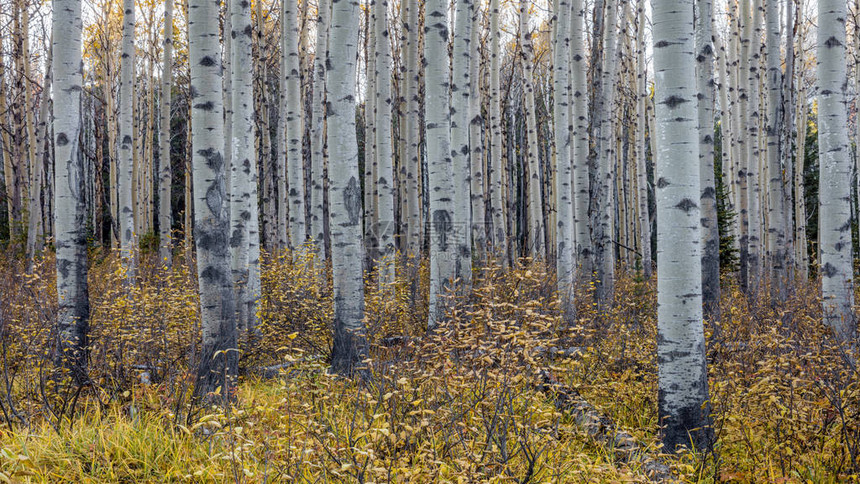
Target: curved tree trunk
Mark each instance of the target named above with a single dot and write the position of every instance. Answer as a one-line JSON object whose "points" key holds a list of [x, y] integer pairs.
{"points": [[345, 215], [219, 356], [837, 282], [682, 374]]}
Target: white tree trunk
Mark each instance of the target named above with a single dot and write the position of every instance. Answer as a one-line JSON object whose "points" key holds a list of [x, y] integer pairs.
{"points": [[345, 214], [219, 356], [437, 118], [412, 224], [461, 91], [385, 171], [682, 374], [126, 143], [837, 282], [70, 213], [293, 113], [498, 236], [708, 198], [580, 142], [534, 206], [644, 222], [317, 228], [476, 125], [244, 156], [564, 178], [777, 242], [165, 219]]}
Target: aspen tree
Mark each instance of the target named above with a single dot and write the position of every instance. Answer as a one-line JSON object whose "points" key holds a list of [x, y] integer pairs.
{"points": [[165, 217], [461, 91], [708, 198], [564, 227], [777, 243], [244, 168], [682, 374], [413, 226], [644, 222], [345, 214], [498, 237], [218, 359], [534, 206], [385, 170], [293, 113], [126, 144], [318, 121], [801, 243], [35, 233], [580, 141], [604, 250], [834, 192], [744, 139], [70, 213], [437, 118], [476, 143], [753, 147]]}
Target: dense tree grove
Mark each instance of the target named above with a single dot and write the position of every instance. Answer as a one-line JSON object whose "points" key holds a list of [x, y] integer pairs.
{"points": [[316, 172]]}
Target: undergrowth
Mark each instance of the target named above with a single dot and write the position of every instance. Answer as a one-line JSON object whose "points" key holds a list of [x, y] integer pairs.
{"points": [[462, 404]]}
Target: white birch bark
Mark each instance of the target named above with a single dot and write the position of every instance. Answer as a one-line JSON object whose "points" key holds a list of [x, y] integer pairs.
{"points": [[644, 220], [777, 243], [753, 147], [293, 113], [345, 214], [70, 212], [580, 142], [126, 144], [682, 374], [837, 282], [219, 357], [708, 197], [385, 169], [165, 177], [244, 155], [498, 237], [534, 206], [476, 125], [412, 225], [437, 118], [461, 91], [317, 228], [564, 178]]}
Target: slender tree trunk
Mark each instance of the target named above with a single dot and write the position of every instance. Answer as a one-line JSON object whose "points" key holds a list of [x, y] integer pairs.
{"points": [[708, 198], [294, 108], [35, 234], [476, 124], [126, 146], [536, 248], [411, 24], [644, 223], [837, 282], [580, 142], [71, 241], [753, 146], [564, 226], [219, 356], [461, 91], [349, 346], [165, 217], [498, 237], [604, 257], [682, 373], [385, 170], [801, 242], [777, 244], [443, 252], [317, 229]]}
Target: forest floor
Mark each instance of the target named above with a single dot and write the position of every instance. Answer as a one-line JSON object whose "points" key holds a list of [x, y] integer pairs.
{"points": [[469, 403]]}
